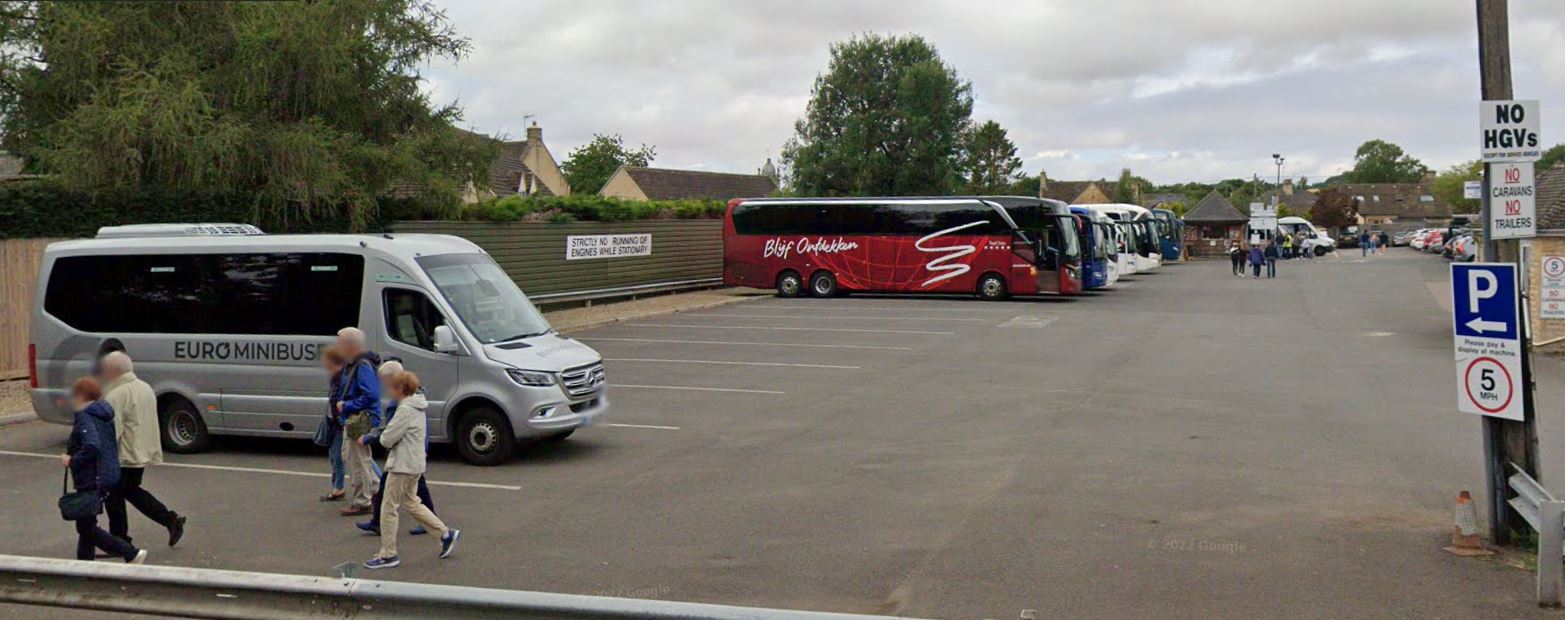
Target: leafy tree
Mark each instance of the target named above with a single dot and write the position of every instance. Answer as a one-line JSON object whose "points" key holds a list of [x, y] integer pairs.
{"points": [[1125, 189], [887, 118], [589, 166], [1026, 186], [990, 162], [1378, 161], [1554, 155], [1333, 209], [1448, 186], [310, 108]]}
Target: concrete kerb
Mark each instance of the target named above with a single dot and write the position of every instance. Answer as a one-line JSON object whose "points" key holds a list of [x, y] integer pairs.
{"points": [[17, 418], [642, 315]]}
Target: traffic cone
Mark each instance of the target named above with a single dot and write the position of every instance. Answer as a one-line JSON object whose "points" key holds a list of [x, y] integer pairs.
{"points": [[1465, 540]]}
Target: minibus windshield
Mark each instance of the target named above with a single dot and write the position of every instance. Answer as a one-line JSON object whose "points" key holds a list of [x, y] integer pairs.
{"points": [[484, 298]]}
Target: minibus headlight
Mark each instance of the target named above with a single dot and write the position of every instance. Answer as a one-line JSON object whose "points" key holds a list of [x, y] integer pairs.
{"points": [[530, 377]]}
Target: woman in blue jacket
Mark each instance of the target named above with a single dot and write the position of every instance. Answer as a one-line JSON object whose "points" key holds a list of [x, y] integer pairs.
{"points": [[93, 456]]}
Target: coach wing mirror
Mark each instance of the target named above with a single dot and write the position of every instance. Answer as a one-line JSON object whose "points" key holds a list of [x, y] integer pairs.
{"points": [[445, 339]]}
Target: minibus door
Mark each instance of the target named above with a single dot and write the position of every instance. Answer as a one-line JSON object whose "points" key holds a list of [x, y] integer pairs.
{"points": [[406, 331]]}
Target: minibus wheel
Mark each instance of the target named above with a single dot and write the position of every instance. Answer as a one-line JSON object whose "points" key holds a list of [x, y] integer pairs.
{"points": [[991, 287], [823, 284], [184, 432], [789, 284], [484, 437]]}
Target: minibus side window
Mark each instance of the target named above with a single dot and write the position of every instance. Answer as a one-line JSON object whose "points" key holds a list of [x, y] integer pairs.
{"points": [[411, 318]]}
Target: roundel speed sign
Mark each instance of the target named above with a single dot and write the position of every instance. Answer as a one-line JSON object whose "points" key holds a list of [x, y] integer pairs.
{"points": [[1489, 385], [1554, 266]]}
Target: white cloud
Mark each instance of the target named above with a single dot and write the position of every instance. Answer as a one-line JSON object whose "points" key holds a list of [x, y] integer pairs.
{"points": [[1189, 90]]}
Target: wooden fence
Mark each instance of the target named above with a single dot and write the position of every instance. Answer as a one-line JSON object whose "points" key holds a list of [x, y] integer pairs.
{"points": [[535, 254], [18, 286]]}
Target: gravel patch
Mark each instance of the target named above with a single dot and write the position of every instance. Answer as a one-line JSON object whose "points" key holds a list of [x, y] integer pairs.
{"points": [[14, 399]]}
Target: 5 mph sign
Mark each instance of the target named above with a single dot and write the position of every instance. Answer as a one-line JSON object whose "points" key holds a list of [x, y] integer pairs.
{"points": [[1487, 322]]}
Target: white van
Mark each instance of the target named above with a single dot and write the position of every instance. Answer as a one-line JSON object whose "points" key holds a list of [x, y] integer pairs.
{"points": [[228, 325], [1317, 240]]}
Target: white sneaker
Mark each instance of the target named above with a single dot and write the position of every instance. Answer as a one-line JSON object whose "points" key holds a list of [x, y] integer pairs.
{"points": [[141, 558]]}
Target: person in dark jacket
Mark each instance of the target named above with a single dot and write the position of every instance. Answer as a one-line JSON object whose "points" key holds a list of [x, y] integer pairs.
{"points": [[1236, 258], [333, 362], [388, 370], [1271, 259], [93, 457], [359, 411]]}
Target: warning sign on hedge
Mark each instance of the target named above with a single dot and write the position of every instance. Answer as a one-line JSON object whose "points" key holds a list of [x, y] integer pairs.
{"points": [[607, 246]]}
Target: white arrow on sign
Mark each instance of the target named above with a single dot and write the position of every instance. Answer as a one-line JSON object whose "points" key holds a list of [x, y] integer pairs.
{"points": [[1481, 326]]}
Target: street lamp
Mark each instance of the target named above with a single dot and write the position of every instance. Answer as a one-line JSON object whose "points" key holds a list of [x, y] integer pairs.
{"points": [[1277, 193]]}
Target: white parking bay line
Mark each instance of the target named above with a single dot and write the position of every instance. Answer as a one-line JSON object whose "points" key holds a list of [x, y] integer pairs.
{"points": [[280, 472], [795, 329], [693, 389], [803, 317], [726, 363], [752, 344], [650, 426]]}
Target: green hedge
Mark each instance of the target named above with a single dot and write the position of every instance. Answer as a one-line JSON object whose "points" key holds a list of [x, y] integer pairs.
{"points": [[43, 209], [589, 208], [40, 208]]}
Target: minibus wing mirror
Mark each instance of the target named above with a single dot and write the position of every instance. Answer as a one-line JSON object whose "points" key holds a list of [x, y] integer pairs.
{"points": [[445, 339]]}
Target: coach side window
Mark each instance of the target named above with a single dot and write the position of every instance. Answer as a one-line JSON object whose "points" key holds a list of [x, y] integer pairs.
{"points": [[411, 318]]}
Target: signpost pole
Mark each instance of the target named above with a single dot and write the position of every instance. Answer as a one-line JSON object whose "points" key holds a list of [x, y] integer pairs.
{"points": [[1505, 441]]}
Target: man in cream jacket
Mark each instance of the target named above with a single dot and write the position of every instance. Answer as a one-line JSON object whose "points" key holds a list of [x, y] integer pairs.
{"points": [[140, 444]]}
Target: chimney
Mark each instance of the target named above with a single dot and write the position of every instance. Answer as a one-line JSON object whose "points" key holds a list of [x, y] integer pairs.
{"points": [[1429, 175], [1287, 187], [1043, 182], [535, 133]]}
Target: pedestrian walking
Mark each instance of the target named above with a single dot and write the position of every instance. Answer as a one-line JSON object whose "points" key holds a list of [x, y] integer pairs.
{"points": [[1364, 243], [140, 445], [93, 459], [1256, 260], [1271, 260], [403, 439], [1385, 241], [358, 408], [330, 432], [389, 369], [1236, 257]]}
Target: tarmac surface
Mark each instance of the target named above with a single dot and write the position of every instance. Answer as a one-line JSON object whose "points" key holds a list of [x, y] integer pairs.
{"points": [[1188, 445]]}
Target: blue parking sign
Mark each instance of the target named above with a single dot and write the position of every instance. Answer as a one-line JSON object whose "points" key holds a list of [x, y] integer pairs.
{"points": [[1483, 300]]}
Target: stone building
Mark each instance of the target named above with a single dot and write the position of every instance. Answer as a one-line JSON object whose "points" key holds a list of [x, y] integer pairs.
{"points": [[1550, 188], [1211, 224]]}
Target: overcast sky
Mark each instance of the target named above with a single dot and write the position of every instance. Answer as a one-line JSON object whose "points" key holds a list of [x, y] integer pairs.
{"points": [[1186, 90]]}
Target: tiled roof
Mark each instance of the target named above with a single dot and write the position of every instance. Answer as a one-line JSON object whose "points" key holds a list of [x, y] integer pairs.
{"points": [[1065, 191], [1214, 209], [669, 184], [1551, 197], [1300, 200], [1404, 200]]}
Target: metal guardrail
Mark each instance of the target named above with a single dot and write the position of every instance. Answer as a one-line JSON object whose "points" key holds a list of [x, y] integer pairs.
{"points": [[624, 291], [207, 593], [1546, 515]]}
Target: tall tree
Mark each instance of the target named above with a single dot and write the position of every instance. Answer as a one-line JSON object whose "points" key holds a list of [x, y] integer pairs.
{"points": [[1333, 209], [990, 163], [1378, 161], [1448, 186], [887, 118], [309, 107], [590, 165], [1127, 190], [1555, 155]]}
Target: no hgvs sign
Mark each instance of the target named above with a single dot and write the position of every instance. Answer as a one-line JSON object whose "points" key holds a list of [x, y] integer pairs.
{"points": [[1509, 130]]}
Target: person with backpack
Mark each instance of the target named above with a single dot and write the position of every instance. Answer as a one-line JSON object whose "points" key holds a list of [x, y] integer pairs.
{"points": [[93, 460], [1271, 259]]}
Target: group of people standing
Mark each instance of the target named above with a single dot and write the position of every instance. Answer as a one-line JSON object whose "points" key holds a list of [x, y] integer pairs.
{"points": [[114, 439], [1257, 256], [1373, 242], [361, 387]]}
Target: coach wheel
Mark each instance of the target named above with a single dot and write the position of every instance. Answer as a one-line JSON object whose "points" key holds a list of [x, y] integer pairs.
{"points": [[991, 288], [484, 437], [823, 284], [183, 430], [789, 284]]}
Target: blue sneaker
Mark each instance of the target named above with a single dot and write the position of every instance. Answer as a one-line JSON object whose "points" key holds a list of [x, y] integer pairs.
{"points": [[448, 543], [379, 562], [418, 530], [369, 527]]}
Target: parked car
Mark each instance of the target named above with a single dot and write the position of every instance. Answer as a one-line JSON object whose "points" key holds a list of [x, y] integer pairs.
{"points": [[1405, 237], [1433, 241]]}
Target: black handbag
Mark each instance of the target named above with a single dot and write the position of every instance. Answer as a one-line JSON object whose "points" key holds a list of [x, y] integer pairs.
{"points": [[323, 432], [79, 504]]}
